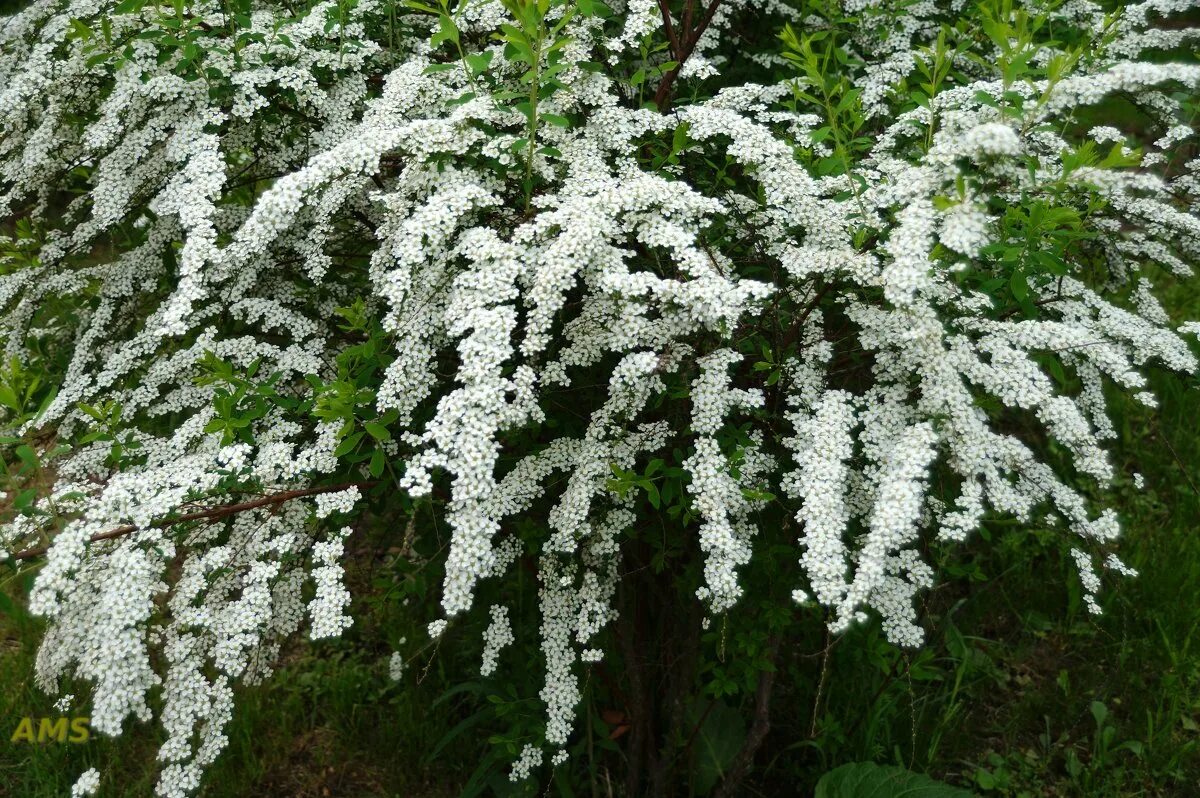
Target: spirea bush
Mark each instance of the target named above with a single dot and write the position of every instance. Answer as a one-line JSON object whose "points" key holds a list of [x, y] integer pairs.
{"points": [[760, 304]]}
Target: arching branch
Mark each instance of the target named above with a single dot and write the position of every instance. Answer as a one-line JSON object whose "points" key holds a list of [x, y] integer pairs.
{"points": [[211, 514]]}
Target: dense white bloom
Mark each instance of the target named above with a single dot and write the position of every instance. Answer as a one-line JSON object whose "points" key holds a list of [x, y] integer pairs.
{"points": [[726, 531], [545, 334], [87, 783], [327, 608], [530, 759], [498, 635]]}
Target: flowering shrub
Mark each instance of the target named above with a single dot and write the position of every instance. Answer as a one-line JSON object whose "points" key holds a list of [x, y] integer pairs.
{"points": [[665, 288]]}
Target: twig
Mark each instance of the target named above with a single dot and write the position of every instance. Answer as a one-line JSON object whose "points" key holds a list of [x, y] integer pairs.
{"points": [[211, 514], [1040, 303], [670, 30], [793, 333], [758, 730], [687, 749], [812, 731], [1182, 468], [662, 97]]}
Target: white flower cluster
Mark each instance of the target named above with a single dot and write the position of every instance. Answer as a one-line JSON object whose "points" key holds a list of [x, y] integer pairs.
{"points": [[87, 784], [396, 666], [498, 635], [551, 316], [530, 760], [327, 607], [726, 530]]}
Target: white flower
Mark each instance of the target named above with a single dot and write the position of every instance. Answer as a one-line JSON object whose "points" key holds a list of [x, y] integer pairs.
{"points": [[87, 783]]}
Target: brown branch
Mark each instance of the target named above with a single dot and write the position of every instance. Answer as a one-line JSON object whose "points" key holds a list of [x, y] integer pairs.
{"points": [[662, 97], [741, 763], [794, 331], [211, 514], [633, 640], [670, 30], [1041, 303], [365, 220]]}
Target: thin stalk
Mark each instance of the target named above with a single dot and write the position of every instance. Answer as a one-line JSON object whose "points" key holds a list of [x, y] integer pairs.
{"points": [[531, 136], [834, 127]]}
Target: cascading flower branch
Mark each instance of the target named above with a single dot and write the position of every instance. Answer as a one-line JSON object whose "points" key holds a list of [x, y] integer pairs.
{"points": [[853, 289]]}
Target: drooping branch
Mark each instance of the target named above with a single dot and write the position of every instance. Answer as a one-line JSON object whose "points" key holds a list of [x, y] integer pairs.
{"points": [[211, 514]]}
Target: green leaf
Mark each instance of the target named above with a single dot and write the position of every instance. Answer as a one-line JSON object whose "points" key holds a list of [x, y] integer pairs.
{"points": [[1056, 371], [869, 780], [25, 499], [594, 8], [447, 32], [1020, 288], [651, 493], [680, 138], [377, 463], [1099, 712], [464, 725], [555, 119], [346, 446], [28, 456], [464, 687], [8, 398], [479, 62], [378, 431], [80, 30], [720, 736]]}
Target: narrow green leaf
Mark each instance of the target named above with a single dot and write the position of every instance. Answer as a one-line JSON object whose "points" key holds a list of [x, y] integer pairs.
{"points": [[346, 446]]}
